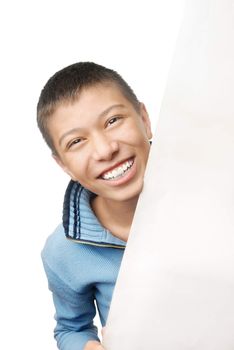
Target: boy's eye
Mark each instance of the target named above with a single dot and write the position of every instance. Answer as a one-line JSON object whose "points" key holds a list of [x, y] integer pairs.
{"points": [[74, 142], [113, 120]]}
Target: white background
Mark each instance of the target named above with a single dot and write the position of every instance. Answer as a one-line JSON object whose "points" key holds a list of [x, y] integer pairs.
{"points": [[137, 39]]}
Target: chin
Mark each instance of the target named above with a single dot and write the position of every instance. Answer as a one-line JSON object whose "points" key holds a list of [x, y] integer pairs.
{"points": [[130, 195]]}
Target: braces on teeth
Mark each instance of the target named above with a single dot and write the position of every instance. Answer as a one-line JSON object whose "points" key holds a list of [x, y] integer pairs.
{"points": [[118, 171]]}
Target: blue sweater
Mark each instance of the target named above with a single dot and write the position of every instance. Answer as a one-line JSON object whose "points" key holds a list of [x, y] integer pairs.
{"points": [[81, 268]]}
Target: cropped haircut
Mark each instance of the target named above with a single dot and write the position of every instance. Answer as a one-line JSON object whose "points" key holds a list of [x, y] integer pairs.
{"points": [[65, 86]]}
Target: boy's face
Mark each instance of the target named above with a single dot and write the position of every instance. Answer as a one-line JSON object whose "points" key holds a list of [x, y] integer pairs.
{"points": [[102, 142]]}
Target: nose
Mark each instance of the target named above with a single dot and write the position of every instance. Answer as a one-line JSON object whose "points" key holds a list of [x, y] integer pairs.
{"points": [[104, 148]]}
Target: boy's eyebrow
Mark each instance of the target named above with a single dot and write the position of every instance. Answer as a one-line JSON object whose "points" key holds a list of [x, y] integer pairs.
{"points": [[102, 114], [106, 111]]}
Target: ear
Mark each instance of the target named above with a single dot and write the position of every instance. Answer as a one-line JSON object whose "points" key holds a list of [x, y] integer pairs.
{"points": [[146, 120], [63, 166]]}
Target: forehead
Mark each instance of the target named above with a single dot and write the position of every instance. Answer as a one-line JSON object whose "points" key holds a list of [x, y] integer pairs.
{"points": [[91, 101], [105, 92]]}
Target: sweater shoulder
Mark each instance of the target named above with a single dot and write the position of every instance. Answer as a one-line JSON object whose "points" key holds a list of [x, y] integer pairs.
{"points": [[77, 265], [54, 246], [59, 251]]}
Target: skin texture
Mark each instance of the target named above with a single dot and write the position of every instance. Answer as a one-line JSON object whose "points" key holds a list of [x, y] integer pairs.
{"points": [[93, 345], [100, 131]]}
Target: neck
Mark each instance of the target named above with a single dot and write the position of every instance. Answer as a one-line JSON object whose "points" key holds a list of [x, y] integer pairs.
{"points": [[115, 216]]}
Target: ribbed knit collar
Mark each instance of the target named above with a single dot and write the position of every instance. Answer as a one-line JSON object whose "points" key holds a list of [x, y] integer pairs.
{"points": [[79, 221]]}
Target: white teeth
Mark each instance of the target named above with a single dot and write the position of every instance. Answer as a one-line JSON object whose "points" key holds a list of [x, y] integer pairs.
{"points": [[118, 171], [125, 166]]}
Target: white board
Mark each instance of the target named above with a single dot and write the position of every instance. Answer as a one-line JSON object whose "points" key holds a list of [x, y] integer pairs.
{"points": [[176, 284]]}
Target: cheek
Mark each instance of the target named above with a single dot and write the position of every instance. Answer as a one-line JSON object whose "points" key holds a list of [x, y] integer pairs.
{"points": [[133, 134], [77, 165]]}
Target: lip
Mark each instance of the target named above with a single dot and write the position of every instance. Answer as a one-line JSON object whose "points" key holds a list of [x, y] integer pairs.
{"points": [[125, 178], [115, 166]]}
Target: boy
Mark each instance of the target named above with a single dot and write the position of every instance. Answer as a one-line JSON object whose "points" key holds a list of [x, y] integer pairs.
{"points": [[99, 134]]}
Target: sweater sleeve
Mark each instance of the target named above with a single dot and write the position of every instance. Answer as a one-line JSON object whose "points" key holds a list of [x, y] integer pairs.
{"points": [[74, 314]]}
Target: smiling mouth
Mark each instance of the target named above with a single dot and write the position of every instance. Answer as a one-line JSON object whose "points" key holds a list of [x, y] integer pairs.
{"points": [[119, 171]]}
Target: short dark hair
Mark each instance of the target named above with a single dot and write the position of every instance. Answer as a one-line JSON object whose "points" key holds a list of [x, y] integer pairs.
{"points": [[65, 85]]}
